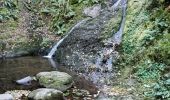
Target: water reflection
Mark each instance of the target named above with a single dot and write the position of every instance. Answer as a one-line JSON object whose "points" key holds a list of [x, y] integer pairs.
{"points": [[18, 68], [53, 63]]}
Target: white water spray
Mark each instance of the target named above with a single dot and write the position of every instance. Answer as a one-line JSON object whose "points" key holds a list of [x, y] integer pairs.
{"points": [[118, 35], [55, 47]]}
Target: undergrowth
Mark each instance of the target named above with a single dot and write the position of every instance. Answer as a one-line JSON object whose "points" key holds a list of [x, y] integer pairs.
{"points": [[46, 21], [8, 10], [146, 47], [61, 13]]}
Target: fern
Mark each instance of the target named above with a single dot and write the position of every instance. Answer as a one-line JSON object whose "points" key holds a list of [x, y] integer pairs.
{"points": [[8, 10]]}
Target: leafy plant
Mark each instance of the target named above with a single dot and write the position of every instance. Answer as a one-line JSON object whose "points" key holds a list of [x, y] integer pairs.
{"points": [[60, 11], [10, 4], [2, 46], [149, 70], [8, 10], [146, 47], [90, 1], [159, 90]]}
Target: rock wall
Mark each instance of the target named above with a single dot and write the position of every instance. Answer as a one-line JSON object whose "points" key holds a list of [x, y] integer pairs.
{"points": [[85, 42]]}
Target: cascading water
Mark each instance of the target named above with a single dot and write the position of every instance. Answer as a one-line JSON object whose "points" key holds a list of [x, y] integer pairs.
{"points": [[54, 49], [106, 54], [117, 37], [102, 72]]}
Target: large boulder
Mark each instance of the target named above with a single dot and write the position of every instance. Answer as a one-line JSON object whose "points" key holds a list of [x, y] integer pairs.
{"points": [[54, 79], [93, 11], [46, 94]]}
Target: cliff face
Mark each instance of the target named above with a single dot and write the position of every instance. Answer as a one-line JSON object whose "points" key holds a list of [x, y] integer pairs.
{"points": [[145, 49]]}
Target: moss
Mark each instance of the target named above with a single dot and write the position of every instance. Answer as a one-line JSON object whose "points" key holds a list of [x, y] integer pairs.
{"points": [[111, 27], [77, 8], [145, 39]]}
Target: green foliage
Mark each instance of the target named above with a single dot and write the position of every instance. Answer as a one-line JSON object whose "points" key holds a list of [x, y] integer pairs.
{"points": [[148, 38], [112, 26], [90, 1], [61, 12], [149, 70], [143, 33], [2, 46], [159, 90], [8, 10], [156, 84], [87, 2], [10, 4], [46, 43], [162, 52], [146, 47]]}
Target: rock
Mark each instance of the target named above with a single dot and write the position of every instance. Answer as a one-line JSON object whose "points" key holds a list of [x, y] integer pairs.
{"points": [[130, 82], [84, 42], [6, 97], [167, 75], [19, 94], [92, 11], [46, 94], [54, 79], [25, 81], [127, 97], [18, 53], [80, 92]]}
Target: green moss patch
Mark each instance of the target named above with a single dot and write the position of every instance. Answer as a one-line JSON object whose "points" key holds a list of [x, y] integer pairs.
{"points": [[146, 38]]}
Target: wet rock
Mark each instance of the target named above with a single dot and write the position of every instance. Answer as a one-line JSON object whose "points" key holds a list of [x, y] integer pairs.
{"points": [[25, 81], [80, 92], [127, 97], [114, 91], [131, 82], [84, 42], [167, 75], [6, 97], [54, 79], [19, 94], [92, 11], [12, 54], [46, 94]]}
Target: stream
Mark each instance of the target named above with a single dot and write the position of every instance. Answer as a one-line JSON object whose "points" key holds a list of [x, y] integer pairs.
{"points": [[99, 77]]}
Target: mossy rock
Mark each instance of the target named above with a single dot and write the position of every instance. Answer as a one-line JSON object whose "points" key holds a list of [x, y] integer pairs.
{"points": [[46, 94], [54, 79]]}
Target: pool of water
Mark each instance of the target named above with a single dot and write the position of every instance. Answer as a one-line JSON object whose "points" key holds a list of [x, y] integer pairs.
{"points": [[92, 79], [18, 68]]}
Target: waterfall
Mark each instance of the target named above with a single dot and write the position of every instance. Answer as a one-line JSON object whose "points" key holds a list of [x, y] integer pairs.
{"points": [[116, 38], [118, 35], [54, 48]]}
